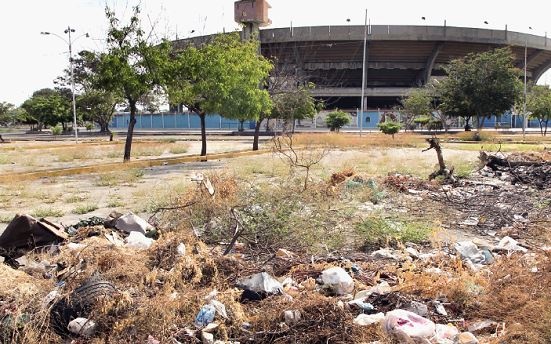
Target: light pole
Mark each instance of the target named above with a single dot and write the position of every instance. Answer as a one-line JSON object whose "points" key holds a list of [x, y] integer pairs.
{"points": [[70, 42], [361, 116], [524, 113]]}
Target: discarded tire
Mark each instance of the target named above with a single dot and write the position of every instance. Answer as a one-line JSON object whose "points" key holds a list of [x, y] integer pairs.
{"points": [[80, 303]]}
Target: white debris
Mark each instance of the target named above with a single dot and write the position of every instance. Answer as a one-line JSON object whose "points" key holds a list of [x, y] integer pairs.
{"points": [[337, 280], [369, 319], [82, 326], [138, 241]]}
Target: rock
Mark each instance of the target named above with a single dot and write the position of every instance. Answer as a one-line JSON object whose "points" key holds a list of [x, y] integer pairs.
{"points": [[471, 221], [484, 326], [384, 253], [382, 288], [337, 280], [369, 319], [418, 308], [465, 338], [413, 253], [292, 317], [132, 223], [509, 244], [82, 327], [138, 241], [409, 323]]}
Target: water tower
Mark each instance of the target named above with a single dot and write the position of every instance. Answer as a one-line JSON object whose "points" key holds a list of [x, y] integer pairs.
{"points": [[252, 14]]}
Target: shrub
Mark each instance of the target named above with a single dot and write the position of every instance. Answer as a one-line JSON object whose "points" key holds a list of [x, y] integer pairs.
{"points": [[89, 126], [47, 212], [57, 130], [389, 127], [336, 120]]}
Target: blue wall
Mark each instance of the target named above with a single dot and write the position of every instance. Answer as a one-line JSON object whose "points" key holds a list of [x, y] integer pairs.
{"points": [[176, 121]]}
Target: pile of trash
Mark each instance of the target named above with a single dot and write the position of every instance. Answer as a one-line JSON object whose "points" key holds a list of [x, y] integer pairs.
{"points": [[528, 168], [122, 280]]}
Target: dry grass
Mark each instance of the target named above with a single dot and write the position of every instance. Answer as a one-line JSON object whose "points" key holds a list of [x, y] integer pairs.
{"points": [[346, 141]]}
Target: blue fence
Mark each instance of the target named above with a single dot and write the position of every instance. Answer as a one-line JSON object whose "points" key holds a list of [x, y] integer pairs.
{"points": [[176, 121]]}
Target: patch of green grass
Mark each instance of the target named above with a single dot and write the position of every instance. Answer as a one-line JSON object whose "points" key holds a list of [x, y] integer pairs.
{"points": [[4, 159], [378, 230], [463, 169], [85, 208], [5, 218], [76, 198], [119, 177], [115, 202], [47, 212], [178, 149]]}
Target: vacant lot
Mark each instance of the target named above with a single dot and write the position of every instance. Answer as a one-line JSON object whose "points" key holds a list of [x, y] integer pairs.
{"points": [[363, 204]]}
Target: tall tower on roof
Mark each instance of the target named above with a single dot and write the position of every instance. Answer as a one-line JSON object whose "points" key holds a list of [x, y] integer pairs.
{"points": [[252, 14]]}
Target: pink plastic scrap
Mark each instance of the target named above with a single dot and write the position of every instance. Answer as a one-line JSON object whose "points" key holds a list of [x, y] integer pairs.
{"points": [[409, 323]]}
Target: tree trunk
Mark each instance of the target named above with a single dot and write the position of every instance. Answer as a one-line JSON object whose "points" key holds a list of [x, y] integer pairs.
{"points": [[130, 133], [202, 117], [256, 134], [104, 127]]}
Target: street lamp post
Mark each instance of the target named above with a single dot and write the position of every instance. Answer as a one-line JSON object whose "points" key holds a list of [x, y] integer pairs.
{"points": [[70, 42], [363, 76]]}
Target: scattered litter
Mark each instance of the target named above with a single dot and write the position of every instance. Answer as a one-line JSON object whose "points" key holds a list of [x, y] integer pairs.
{"points": [[259, 286], [369, 319], [418, 308], [82, 327], [337, 281], [138, 241], [205, 316], [409, 323], [483, 326], [465, 338], [292, 317], [440, 309], [445, 333], [132, 223], [24, 233]]}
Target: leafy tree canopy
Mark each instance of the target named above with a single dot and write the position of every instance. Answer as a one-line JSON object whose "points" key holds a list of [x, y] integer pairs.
{"points": [[224, 76], [481, 85], [539, 103]]}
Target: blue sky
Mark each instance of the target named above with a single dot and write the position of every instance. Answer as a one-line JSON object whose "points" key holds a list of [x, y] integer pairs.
{"points": [[30, 61]]}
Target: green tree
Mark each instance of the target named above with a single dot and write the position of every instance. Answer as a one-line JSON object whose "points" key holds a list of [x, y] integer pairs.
{"points": [[93, 103], [481, 85], [6, 113], [295, 104], [418, 103], [389, 127], [539, 103], [336, 120], [97, 106], [48, 107], [223, 76], [131, 67]]}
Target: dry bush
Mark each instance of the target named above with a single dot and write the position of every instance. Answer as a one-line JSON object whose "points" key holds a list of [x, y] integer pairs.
{"points": [[322, 321], [339, 177], [519, 298]]}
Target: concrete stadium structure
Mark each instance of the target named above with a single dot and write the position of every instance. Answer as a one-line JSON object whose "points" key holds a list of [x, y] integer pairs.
{"points": [[398, 57]]}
